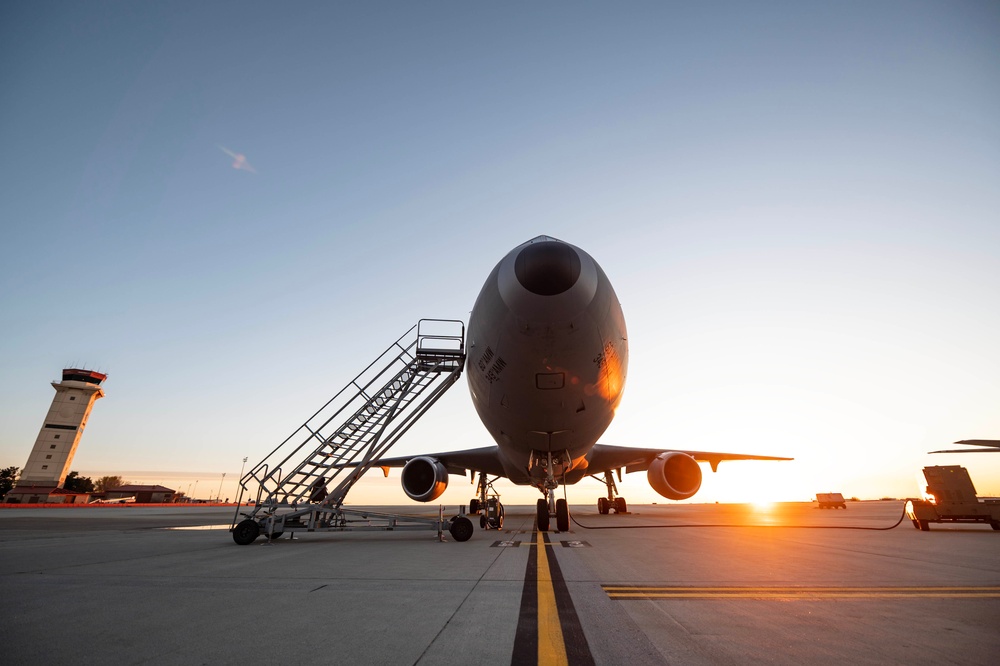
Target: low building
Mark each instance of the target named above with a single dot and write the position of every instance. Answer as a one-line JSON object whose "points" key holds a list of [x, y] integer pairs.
{"points": [[44, 494], [142, 494]]}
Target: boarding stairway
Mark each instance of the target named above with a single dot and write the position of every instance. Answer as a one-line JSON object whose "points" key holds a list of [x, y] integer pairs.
{"points": [[302, 483]]}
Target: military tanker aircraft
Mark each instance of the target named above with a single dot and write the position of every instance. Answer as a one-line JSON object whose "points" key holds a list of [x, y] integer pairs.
{"points": [[547, 354]]}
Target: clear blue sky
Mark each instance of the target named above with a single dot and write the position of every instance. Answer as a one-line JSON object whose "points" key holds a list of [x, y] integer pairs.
{"points": [[798, 204]]}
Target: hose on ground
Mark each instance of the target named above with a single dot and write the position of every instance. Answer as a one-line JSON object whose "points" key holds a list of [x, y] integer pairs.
{"points": [[808, 527]]}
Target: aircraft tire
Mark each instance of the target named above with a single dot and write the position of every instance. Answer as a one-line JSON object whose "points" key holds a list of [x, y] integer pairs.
{"points": [[562, 516], [543, 515], [246, 531], [924, 525], [482, 521], [602, 506], [461, 528], [620, 505], [474, 506]]}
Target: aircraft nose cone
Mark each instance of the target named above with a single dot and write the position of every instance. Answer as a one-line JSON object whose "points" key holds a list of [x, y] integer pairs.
{"points": [[547, 280], [548, 268]]}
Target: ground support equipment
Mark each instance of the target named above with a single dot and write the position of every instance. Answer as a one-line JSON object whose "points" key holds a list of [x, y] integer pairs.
{"points": [[955, 500], [289, 490], [487, 504], [830, 501]]}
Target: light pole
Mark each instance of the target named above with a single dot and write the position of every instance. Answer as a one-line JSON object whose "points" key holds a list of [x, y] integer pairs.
{"points": [[240, 494], [218, 495]]}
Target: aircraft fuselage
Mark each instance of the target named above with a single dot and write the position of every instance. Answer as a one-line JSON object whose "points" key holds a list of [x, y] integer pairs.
{"points": [[547, 359]]}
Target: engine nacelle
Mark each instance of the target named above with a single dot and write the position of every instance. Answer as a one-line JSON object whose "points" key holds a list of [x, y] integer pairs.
{"points": [[674, 475], [424, 479]]}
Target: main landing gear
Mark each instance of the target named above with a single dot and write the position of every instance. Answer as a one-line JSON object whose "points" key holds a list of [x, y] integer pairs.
{"points": [[487, 505], [606, 505]]}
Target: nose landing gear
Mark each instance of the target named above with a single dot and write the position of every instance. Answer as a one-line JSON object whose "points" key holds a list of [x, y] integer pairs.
{"points": [[554, 466], [545, 511]]}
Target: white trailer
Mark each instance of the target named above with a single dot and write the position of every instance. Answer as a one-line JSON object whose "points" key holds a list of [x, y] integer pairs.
{"points": [[831, 501]]}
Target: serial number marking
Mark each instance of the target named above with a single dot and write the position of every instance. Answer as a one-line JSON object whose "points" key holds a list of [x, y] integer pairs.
{"points": [[609, 353], [485, 358], [493, 374]]}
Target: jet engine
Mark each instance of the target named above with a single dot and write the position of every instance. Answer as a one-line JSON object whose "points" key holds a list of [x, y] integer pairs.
{"points": [[674, 475], [424, 479]]}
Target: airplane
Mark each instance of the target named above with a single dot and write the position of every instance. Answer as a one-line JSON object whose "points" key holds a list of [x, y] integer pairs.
{"points": [[547, 355], [117, 500], [985, 446], [239, 160]]}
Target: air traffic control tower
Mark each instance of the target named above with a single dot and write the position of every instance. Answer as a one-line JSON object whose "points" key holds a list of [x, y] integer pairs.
{"points": [[56, 444]]}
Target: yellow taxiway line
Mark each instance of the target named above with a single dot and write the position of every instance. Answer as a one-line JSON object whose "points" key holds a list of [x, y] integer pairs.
{"points": [[794, 592], [551, 646]]}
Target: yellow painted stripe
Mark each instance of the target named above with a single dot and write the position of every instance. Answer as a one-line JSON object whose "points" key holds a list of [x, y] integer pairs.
{"points": [[551, 647], [751, 595], [655, 592], [796, 588]]}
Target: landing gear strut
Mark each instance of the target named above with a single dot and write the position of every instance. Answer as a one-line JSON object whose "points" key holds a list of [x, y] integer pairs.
{"points": [[611, 503], [555, 466]]}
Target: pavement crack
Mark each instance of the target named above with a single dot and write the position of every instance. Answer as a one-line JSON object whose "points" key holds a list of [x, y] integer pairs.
{"points": [[500, 552]]}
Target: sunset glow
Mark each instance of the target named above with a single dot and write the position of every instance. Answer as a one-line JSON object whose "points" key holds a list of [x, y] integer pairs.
{"points": [[796, 205]]}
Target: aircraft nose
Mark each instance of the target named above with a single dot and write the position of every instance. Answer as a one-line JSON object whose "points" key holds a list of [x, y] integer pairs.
{"points": [[547, 268], [547, 279]]}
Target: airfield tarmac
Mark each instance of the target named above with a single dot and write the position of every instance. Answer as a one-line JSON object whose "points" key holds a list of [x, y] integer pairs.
{"points": [[113, 584]]}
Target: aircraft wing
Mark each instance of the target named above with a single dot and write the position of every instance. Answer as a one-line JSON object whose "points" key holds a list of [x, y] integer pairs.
{"points": [[485, 459], [986, 445], [604, 457]]}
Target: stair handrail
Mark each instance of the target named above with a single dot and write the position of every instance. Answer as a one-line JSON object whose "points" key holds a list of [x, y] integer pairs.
{"points": [[422, 354], [354, 382]]}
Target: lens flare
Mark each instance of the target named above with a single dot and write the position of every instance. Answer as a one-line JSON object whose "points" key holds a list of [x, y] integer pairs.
{"points": [[610, 377]]}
